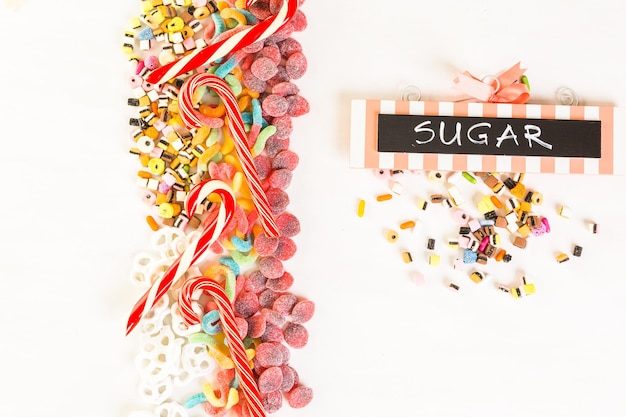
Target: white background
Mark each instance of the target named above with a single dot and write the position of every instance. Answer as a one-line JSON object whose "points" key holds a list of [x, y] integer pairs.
{"points": [[71, 220]]}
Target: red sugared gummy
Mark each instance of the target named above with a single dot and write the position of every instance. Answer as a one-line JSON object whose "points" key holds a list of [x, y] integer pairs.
{"points": [[285, 89], [281, 284], [271, 267], [283, 33], [299, 21], [283, 125], [296, 65], [279, 200], [272, 333], [214, 411], [252, 82], [274, 146], [253, 47], [255, 281], [272, 317], [303, 311], [265, 246], [263, 68], [289, 378], [275, 5], [267, 298], [298, 105], [242, 326], [286, 248], [275, 105], [247, 304], [284, 304], [288, 47], [280, 77], [260, 10], [270, 51], [296, 335], [288, 224], [256, 326], [263, 166], [281, 179], [270, 380], [300, 396], [225, 376], [270, 354], [272, 401], [286, 159]]}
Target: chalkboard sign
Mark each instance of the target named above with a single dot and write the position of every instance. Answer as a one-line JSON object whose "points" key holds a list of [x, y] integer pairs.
{"points": [[488, 136], [462, 136]]}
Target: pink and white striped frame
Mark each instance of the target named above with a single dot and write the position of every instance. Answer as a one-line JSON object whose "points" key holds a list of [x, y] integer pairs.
{"points": [[364, 131]]}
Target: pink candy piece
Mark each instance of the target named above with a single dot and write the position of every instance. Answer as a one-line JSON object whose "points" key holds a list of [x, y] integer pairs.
{"points": [[272, 333], [288, 225], [263, 166], [296, 65], [267, 298], [256, 326], [289, 378], [283, 125], [270, 354], [275, 145], [279, 200], [252, 82], [272, 52], [298, 105], [284, 304], [263, 68], [151, 62], [265, 246], [275, 105], [281, 179], [246, 305], [299, 21], [281, 284], [271, 267], [253, 47], [289, 46], [242, 325], [302, 312], [260, 10], [286, 159], [300, 396], [272, 401], [285, 89], [273, 317], [270, 379], [296, 335], [546, 224]]}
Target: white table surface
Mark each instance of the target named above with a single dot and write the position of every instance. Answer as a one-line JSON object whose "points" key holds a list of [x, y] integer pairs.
{"points": [[379, 345]]}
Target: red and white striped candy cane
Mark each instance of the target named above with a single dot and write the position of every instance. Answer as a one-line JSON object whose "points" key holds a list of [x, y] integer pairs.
{"points": [[195, 248], [237, 131], [229, 326], [217, 50]]}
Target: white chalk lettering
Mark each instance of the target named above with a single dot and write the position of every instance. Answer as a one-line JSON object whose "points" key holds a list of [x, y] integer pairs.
{"points": [[482, 136], [534, 137], [420, 128], [457, 135], [507, 134]]}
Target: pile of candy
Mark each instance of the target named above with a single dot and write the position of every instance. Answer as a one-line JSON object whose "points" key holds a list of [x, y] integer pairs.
{"points": [[508, 216], [187, 360]]}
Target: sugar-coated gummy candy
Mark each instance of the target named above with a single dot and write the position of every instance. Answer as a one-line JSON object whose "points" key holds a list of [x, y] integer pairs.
{"points": [[270, 380], [280, 284], [296, 65], [299, 396], [289, 46], [288, 224], [286, 159], [260, 10], [285, 89], [253, 82], [272, 401], [255, 282], [256, 326], [274, 105], [267, 298], [247, 304], [253, 47], [286, 248], [225, 376], [270, 354], [296, 335], [265, 246], [281, 179], [242, 326], [263, 166], [274, 146], [272, 333], [303, 311], [271, 267], [263, 68], [283, 125], [273, 317], [297, 105], [284, 304], [289, 378], [278, 199], [272, 52]]}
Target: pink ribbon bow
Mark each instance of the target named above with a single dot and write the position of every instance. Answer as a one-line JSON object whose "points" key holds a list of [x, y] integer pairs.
{"points": [[503, 88]]}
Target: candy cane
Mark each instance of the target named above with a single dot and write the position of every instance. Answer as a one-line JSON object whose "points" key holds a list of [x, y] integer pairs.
{"points": [[195, 249], [217, 50], [237, 131], [227, 317]]}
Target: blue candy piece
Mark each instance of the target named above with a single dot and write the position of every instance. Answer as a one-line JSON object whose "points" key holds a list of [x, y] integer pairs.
{"points": [[469, 256], [250, 18], [230, 262], [195, 400], [242, 245], [220, 25], [145, 34], [211, 322]]}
